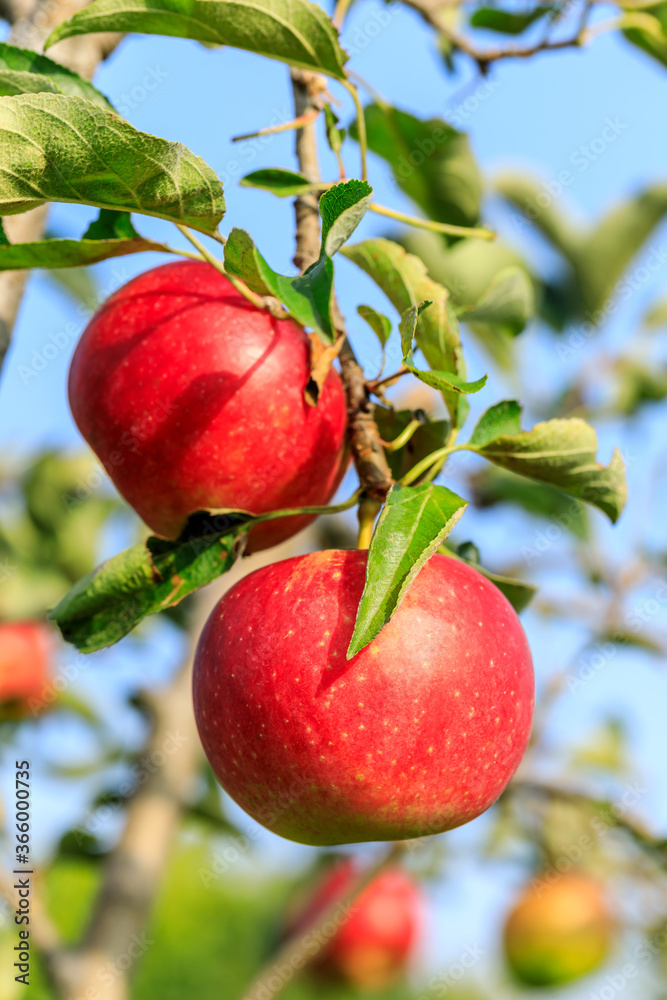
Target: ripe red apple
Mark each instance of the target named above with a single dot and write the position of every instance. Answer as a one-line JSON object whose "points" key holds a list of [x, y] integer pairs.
{"points": [[559, 931], [418, 733], [25, 660], [193, 398], [368, 945]]}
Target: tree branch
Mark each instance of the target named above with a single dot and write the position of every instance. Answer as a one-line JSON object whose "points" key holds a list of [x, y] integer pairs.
{"points": [[31, 26], [364, 438]]}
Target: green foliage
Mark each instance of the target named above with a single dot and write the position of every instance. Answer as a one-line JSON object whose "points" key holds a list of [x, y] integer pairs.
{"points": [[149, 577], [413, 524], [308, 296], [403, 279], [493, 485], [646, 30], [518, 593], [117, 167], [50, 539], [431, 162], [509, 22], [429, 436], [111, 235], [26, 72], [562, 453], [294, 31], [282, 183], [597, 257]]}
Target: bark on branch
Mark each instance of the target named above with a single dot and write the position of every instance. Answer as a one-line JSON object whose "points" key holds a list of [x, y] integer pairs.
{"points": [[364, 439]]}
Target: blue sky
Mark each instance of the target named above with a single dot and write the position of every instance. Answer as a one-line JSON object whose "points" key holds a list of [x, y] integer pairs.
{"points": [[535, 115]]}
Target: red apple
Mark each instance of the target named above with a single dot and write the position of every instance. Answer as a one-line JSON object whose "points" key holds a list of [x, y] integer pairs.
{"points": [[418, 733], [371, 941], [193, 398], [25, 660], [559, 931]]}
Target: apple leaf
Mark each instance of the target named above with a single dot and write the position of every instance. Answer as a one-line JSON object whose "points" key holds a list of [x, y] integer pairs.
{"points": [[413, 524], [508, 22], [647, 31], [59, 148], [431, 162], [294, 31], [518, 593], [444, 381], [404, 280], [111, 235], [493, 485], [149, 577], [379, 324], [282, 183], [562, 453], [25, 72], [501, 418], [307, 296], [508, 302]]}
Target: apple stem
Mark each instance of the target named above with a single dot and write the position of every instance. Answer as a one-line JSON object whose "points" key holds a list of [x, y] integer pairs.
{"points": [[367, 513]]}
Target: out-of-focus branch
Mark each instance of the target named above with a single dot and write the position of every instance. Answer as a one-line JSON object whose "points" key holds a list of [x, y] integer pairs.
{"points": [[439, 15], [295, 954], [367, 451], [31, 25]]}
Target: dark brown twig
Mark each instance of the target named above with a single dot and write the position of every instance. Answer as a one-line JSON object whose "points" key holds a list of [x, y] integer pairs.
{"points": [[365, 444]]}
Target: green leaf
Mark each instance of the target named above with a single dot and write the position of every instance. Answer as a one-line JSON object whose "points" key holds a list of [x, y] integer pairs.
{"points": [[431, 162], [342, 208], [647, 32], [508, 22], [492, 485], [335, 135], [501, 418], [518, 593], [294, 31], [408, 325], [527, 194], [655, 316], [25, 72], [405, 282], [379, 324], [413, 524], [508, 302], [562, 453], [108, 603], [428, 438], [444, 382], [110, 235], [58, 148], [307, 296], [282, 183]]}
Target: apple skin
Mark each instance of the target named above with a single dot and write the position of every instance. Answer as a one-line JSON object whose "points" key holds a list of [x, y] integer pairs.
{"points": [[373, 944], [192, 398], [420, 732], [559, 933], [25, 661]]}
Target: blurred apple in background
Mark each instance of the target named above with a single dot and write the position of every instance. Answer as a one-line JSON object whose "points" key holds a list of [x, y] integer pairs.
{"points": [[25, 659], [375, 935], [558, 931]]}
